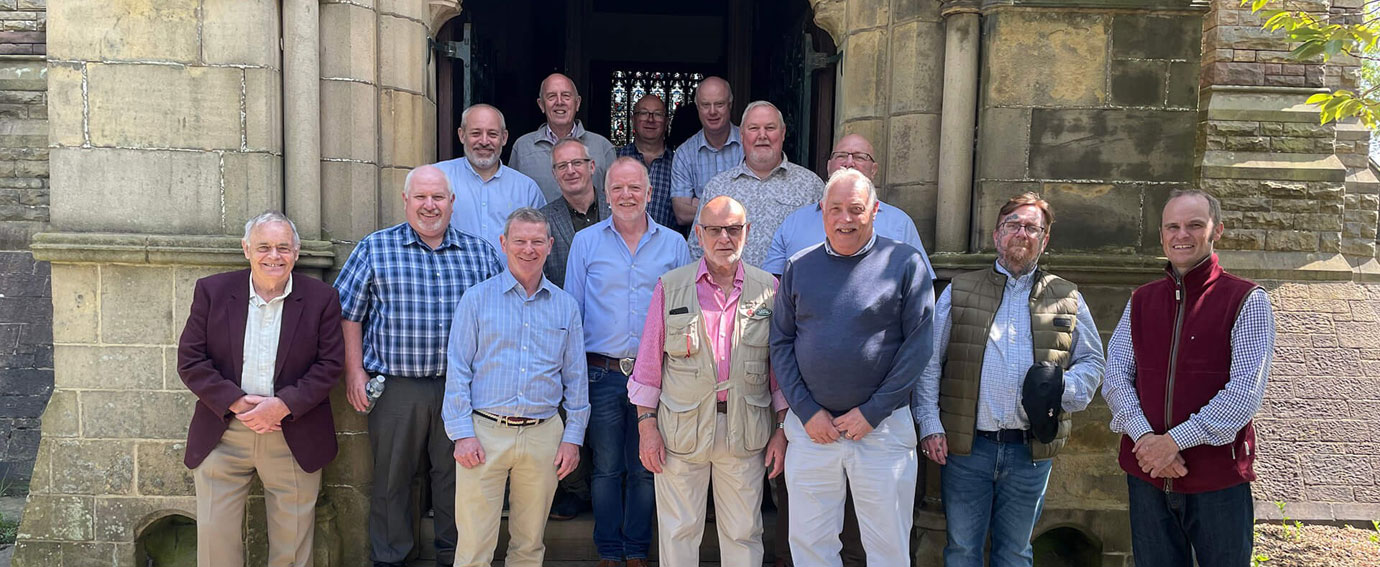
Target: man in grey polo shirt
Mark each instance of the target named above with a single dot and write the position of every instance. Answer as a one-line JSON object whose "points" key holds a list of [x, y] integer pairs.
{"points": [[559, 101]]}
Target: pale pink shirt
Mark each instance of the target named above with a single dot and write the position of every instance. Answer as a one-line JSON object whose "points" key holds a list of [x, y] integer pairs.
{"points": [[644, 389]]}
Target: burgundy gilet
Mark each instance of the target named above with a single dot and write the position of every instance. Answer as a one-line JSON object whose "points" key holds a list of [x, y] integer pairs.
{"points": [[1181, 330]]}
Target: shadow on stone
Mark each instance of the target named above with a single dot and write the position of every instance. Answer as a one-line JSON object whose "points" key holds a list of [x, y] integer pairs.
{"points": [[169, 541], [1067, 547]]}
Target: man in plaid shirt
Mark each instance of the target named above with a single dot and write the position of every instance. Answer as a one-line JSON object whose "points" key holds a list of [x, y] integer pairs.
{"points": [[398, 293]]}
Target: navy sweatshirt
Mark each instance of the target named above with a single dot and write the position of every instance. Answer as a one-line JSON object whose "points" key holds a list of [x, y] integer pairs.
{"points": [[852, 331]]}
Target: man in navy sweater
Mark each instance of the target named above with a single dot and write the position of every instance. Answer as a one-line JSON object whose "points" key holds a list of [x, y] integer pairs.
{"points": [[853, 328]]}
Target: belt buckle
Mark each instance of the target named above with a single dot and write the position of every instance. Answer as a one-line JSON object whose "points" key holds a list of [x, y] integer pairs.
{"points": [[625, 365]]}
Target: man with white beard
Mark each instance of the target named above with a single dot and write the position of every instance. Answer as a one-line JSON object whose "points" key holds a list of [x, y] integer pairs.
{"points": [[486, 191]]}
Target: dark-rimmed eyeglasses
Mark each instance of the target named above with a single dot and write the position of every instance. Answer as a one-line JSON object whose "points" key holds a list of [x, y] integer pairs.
{"points": [[565, 165], [862, 157], [733, 230], [1031, 230]]}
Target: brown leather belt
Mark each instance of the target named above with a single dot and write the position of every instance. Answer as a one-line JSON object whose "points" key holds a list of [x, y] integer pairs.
{"points": [[623, 366], [508, 420], [721, 407]]}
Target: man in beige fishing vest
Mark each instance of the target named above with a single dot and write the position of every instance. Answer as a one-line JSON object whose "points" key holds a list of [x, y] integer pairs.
{"points": [[706, 402], [1015, 352]]}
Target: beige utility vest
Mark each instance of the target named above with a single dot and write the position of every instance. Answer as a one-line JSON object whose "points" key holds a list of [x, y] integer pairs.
{"points": [[976, 296], [689, 374]]}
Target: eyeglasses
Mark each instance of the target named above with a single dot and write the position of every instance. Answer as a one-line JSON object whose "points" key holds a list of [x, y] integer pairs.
{"points": [[1031, 230], [733, 230], [857, 156], [652, 114], [566, 165]]}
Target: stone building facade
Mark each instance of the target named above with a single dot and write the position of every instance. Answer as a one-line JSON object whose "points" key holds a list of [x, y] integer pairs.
{"points": [[169, 123]]}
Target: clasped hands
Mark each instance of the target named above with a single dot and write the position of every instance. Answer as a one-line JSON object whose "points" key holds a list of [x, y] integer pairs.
{"points": [[823, 429], [261, 414], [1158, 456]]}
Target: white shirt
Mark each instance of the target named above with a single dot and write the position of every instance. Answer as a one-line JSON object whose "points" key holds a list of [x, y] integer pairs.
{"points": [[261, 341]]}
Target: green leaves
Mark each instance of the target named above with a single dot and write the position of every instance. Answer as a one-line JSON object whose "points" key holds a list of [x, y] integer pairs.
{"points": [[1319, 41], [1346, 104]]}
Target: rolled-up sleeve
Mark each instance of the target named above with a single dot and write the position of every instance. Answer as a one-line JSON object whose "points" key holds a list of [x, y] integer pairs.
{"points": [[1085, 371]]}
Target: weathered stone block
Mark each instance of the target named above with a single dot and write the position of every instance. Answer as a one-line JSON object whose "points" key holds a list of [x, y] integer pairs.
{"points": [[161, 106], [1245, 239], [917, 77], [1071, 49], [76, 314], [1183, 85], [1292, 241], [117, 518], [991, 195], [161, 472], [903, 10], [865, 14], [263, 116], [253, 184], [136, 415], [351, 195], [240, 32], [402, 54], [349, 121], [349, 42], [1246, 144], [1112, 144], [1003, 140], [1107, 217], [1319, 222], [61, 418], [1337, 469], [96, 186], [57, 517], [914, 149], [100, 30], [1139, 83], [401, 117], [391, 210], [1138, 36], [108, 367], [136, 305], [863, 90], [1227, 73], [184, 285], [75, 462], [353, 467]]}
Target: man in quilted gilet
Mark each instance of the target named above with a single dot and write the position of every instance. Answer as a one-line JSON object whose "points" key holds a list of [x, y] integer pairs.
{"points": [[707, 404], [1186, 371], [1002, 335]]}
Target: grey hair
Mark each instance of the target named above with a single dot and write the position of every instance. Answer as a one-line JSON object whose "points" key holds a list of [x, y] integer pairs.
{"points": [[565, 142], [608, 173], [1214, 206], [267, 217], [407, 181], [856, 178], [526, 214], [465, 116], [780, 119]]}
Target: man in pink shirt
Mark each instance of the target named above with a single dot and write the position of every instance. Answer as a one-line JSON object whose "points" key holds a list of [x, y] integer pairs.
{"points": [[707, 403]]}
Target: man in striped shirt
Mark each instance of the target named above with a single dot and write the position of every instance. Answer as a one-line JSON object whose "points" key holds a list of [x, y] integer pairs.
{"points": [[516, 349], [398, 291], [715, 149]]}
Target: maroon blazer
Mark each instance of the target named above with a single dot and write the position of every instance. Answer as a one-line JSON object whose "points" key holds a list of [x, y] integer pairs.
{"points": [[311, 357]]}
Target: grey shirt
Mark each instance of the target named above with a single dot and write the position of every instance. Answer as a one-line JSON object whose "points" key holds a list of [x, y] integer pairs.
{"points": [[532, 156], [768, 202]]}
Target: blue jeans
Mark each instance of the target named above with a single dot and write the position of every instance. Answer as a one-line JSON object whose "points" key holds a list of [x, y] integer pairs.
{"points": [[996, 488], [1169, 528], [623, 492]]}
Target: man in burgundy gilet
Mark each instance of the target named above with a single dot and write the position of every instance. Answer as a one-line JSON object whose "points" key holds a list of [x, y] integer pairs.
{"points": [[1186, 370]]}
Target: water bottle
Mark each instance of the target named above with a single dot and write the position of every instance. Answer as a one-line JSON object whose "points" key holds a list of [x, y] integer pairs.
{"points": [[372, 391]]}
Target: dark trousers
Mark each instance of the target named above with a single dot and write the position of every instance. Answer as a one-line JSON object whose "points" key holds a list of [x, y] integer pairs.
{"points": [[404, 426], [624, 492], [852, 552], [1169, 529]]}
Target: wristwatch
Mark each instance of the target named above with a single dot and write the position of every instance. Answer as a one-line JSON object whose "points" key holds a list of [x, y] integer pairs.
{"points": [[648, 415]]}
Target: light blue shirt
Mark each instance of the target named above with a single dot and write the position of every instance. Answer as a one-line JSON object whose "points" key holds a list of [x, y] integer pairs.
{"points": [[1009, 355], [481, 207], [516, 356], [613, 286], [696, 162], [805, 228]]}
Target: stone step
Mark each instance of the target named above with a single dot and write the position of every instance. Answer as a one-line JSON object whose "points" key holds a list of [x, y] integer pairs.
{"points": [[1362, 181]]}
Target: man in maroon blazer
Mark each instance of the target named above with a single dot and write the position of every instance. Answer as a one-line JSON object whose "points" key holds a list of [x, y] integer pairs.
{"points": [[261, 350]]}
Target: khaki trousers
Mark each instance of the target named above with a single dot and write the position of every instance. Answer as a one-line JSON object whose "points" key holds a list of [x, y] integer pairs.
{"points": [[222, 486], [680, 502], [524, 458]]}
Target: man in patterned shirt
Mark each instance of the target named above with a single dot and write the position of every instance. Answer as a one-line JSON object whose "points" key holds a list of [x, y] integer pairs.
{"points": [[991, 326], [398, 292], [1188, 448], [715, 148], [649, 145], [766, 183]]}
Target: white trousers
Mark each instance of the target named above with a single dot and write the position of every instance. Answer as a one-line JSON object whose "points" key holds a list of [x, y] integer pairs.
{"points": [[880, 469], [680, 505]]}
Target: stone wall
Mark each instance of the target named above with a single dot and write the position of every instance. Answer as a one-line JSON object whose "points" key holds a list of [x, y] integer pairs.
{"points": [[26, 317]]}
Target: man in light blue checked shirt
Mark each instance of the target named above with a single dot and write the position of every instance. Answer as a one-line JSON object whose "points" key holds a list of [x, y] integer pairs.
{"points": [[992, 327], [516, 349], [398, 292], [716, 148]]}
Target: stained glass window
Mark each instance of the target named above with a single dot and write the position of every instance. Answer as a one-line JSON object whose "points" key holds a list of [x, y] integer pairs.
{"points": [[674, 88]]}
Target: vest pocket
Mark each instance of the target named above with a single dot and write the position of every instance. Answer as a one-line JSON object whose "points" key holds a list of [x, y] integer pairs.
{"points": [[756, 331], [679, 423], [756, 371], [682, 342], [756, 421]]}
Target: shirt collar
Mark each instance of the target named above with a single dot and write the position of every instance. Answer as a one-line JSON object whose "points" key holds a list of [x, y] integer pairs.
{"points": [[632, 151], [470, 167], [545, 133], [510, 283], [1021, 281], [829, 249], [255, 299], [451, 238], [652, 226], [733, 138], [743, 169], [702, 275]]}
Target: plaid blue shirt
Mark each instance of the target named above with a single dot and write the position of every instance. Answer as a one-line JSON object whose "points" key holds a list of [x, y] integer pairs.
{"points": [[696, 163], [1252, 350], [659, 202], [404, 293]]}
